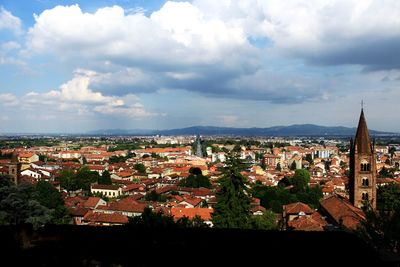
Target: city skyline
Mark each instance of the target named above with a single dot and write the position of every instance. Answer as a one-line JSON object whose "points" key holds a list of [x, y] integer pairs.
{"points": [[76, 66]]}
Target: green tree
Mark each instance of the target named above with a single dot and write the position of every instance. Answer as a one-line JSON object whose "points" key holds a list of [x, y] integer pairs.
{"points": [[18, 205], [392, 149], [388, 197], [49, 197], [278, 167], [309, 158], [85, 177], [381, 229], [293, 166], [196, 179], [140, 168], [273, 197], [310, 196], [237, 148], [267, 221], [68, 180], [385, 173], [104, 178], [300, 180], [284, 182], [150, 219], [117, 159], [233, 201], [154, 196]]}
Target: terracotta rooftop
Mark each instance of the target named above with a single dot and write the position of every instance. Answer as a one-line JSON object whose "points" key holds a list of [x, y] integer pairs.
{"points": [[342, 212], [105, 186], [97, 217], [204, 213], [296, 208], [91, 202], [78, 212], [304, 223]]}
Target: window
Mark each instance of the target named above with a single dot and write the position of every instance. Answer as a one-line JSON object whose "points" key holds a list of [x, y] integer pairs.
{"points": [[365, 182], [113, 194], [364, 196], [365, 167]]}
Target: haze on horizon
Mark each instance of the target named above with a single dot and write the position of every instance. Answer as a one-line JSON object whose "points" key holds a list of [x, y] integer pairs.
{"points": [[75, 66]]}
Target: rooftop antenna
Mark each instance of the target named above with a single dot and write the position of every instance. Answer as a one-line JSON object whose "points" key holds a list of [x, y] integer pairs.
{"points": [[362, 104]]}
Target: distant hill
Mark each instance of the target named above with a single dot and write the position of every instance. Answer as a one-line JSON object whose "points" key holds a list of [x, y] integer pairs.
{"points": [[292, 130]]}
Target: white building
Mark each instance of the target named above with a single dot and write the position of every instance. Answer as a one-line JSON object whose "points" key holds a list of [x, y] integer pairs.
{"points": [[106, 190]]}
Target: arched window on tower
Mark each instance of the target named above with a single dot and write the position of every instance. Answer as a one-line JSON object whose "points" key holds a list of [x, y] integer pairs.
{"points": [[365, 182], [365, 166], [364, 196]]}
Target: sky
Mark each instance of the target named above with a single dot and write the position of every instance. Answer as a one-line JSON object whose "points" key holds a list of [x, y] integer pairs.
{"points": [[75, 66]]}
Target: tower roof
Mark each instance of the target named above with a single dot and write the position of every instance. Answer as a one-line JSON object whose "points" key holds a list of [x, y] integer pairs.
{"points": [[14, 157], [362, 143]]}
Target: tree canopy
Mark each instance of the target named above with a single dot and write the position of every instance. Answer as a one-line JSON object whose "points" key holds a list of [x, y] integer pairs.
{"points": [[140, 167], [300, 180], [233, 201], [196, 179], [104, 178], [49, 197], [381, 228], [19, 205], [267, 221], [80, 180]]}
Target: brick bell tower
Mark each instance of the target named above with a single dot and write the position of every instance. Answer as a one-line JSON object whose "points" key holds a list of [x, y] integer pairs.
{"points": [[14, 169], [362, 177]]}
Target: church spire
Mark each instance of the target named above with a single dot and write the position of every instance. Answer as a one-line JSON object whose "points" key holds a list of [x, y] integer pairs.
{"points": [[362, 142], [362, 176]]}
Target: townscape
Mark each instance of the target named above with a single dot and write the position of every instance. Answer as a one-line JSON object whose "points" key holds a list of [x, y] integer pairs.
{"points": [[293, 183]]}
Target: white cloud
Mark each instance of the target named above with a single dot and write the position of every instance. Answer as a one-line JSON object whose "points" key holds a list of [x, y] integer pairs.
{"points": [[11, 45], [6, 60], [75, 96], [327, 32], [208, 46], [176, 36], [9, 22], [8, 100]]}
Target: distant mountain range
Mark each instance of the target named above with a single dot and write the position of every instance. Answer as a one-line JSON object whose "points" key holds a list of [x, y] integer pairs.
{"points": [[292, 130]]}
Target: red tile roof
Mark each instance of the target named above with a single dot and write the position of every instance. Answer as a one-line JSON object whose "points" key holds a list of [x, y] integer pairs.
{"points": [[296, 208], [91, 202], [304, 223], [105, 187], [78, 212], [342, 211], [204, 213], [127, 206], [98, 217]]}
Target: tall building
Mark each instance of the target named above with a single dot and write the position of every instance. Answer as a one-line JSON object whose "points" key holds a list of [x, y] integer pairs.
{"points": [[362, 178], [199, 150], [14, 168]]}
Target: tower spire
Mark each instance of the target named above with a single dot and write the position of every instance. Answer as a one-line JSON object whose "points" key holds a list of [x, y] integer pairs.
{"points": [[362, 177], [362, 141]]}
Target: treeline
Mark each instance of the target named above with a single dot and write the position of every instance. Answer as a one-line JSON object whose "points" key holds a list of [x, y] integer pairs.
{"points": [[81, 179], [27, 143], [38, 204], [289, 190]]}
